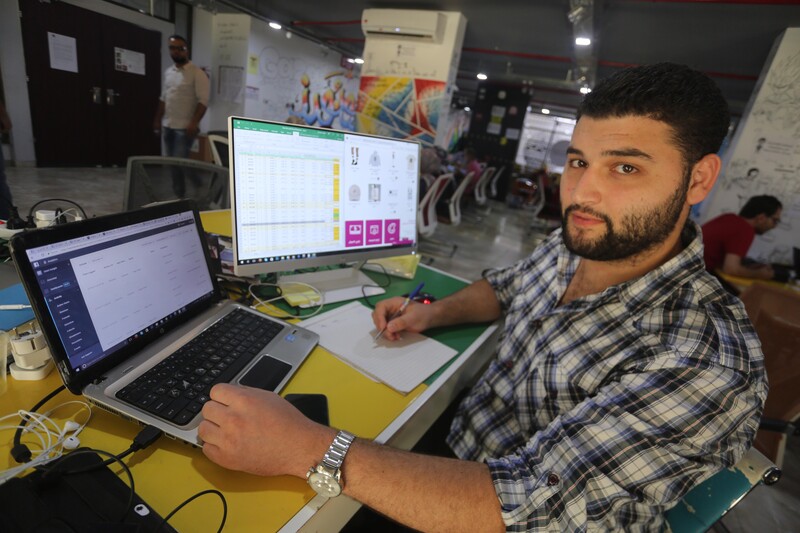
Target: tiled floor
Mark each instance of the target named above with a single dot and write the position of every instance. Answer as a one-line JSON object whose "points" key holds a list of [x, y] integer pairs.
{"points": [[498, 238]]}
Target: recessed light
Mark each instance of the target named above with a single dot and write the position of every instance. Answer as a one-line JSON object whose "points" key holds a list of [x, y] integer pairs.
{"points": [[359, 61], [583, 41], [274, 25], [481, 76], [545, 111], [467, 109], [351, 60], [585, 90]]}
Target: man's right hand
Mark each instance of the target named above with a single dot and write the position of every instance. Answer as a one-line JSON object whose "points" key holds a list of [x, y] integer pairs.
{"points": [[416, 317]]}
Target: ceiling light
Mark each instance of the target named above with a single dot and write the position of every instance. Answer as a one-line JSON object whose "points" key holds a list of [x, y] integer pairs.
{"points": [[583, 41], [351, 60], [467, 109], [481, 76], [358, 61], [397, 29], [545, 111], [274, 25], [585, 90]]}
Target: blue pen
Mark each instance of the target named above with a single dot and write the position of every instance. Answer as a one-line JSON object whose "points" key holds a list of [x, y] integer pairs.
{"points": [[411, 296]]}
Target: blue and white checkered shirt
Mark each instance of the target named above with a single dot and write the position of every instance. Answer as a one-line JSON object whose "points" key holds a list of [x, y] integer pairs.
{"points": [[602, 413]]}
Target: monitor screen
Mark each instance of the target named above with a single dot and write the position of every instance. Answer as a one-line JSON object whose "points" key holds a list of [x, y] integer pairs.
{"points": [[305, 196]]}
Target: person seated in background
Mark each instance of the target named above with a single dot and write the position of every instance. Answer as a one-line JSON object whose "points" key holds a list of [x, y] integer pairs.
{"points": [[430, 166], [470, 168], [727, 238], [625, 374]]}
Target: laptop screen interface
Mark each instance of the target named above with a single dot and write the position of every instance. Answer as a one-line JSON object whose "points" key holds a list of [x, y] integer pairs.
{"points": [[105, 290]]}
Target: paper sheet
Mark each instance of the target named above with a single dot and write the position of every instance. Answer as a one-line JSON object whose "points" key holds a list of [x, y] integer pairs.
{"points": [[348, 333]]}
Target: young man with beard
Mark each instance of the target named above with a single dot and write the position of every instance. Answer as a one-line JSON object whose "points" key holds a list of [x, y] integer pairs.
{"points": [[625, 374], [182, 105]]}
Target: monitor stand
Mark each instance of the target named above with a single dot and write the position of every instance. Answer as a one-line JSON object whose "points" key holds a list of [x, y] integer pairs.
{"points": [[336, 285]]}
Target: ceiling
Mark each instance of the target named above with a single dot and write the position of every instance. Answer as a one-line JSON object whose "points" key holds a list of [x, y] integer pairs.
{"points": [[532, 42]]}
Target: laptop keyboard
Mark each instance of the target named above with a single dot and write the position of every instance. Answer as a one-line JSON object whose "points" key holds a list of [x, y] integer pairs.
{"points": [[177, 387]]}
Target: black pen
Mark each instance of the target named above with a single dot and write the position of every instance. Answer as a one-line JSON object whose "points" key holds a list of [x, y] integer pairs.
{"points": [[411, 296]]}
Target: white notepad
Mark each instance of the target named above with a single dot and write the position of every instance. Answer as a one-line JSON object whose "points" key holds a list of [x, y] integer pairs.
{"points": [[348, 333]]}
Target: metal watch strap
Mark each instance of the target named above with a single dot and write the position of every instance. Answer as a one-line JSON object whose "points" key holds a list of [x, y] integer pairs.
{"points": [[334, 457]]}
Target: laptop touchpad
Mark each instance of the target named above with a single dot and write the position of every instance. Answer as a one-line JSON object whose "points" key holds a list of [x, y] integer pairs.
{"points": [[266, 374]]}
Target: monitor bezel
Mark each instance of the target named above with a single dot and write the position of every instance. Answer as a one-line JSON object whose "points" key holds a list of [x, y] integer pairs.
{"points": [[343, 257]]}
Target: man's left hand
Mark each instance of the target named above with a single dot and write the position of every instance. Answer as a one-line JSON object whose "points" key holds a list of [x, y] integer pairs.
{"points": [[192, 130]]}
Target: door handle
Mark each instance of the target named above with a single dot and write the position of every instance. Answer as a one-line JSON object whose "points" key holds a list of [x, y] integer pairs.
{"points": [[111, 96], [97, 95]]}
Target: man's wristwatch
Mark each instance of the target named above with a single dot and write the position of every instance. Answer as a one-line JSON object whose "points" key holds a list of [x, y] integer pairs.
{"points": [[326, 477]]}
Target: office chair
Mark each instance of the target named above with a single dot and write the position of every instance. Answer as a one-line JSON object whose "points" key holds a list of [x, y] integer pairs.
{"points": [[482, 185], [219, 149], [151, 179], [427, 219], [709, 501], [775, 313], [454, 202], [495, 180]]}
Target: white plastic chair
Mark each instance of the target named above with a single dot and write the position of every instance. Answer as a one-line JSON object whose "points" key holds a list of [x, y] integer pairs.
{"points": [[495, 179], [426, 212], [483, 183], [454, 202]]}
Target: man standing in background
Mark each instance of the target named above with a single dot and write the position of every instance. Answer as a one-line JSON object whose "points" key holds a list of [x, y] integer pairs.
{"points": [[183, 103]]}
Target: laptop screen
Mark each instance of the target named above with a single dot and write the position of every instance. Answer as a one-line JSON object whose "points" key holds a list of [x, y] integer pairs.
{"points": [[107, 289]]}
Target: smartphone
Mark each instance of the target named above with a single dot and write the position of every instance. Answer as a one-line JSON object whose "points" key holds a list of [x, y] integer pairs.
{"points": [[314, 406]]}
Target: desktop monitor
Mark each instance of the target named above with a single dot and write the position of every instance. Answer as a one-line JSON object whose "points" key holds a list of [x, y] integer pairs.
{"points": [[308, 197]]}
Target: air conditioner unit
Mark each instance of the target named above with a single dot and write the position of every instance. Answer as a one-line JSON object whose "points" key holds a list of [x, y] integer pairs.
{"points": [[404, 24]]}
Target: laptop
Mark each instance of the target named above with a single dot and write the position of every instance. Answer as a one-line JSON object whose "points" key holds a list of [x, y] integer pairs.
{"points": [[135, 320]]}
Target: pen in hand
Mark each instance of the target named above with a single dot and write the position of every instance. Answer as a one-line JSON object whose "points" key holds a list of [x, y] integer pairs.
{"points": [[399, 312]]}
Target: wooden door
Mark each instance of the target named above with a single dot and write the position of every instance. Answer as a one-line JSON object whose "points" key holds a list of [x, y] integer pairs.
{"points": [[86, 109], [131, 58]]}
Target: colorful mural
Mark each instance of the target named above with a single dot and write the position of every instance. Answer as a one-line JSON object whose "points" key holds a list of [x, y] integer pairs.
{"points": [[323, 108], [295, 79], [400, 107]]}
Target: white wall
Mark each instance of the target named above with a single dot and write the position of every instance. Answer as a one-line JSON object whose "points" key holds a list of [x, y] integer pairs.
{"points": [[768, 139], [543, 141], [278, 70]]}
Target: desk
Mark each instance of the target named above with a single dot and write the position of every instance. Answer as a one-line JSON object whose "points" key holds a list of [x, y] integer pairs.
{"points": [[170, 471], [743, 283]]}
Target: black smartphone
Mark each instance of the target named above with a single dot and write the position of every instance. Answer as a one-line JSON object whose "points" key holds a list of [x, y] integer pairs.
{"points": [[314, 406]]}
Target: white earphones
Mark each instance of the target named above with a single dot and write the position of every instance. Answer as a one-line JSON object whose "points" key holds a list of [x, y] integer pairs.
{"points": [[71, 442]]}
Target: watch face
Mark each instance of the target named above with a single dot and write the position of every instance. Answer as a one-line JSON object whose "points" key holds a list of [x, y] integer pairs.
{"points": [[324, 484]]}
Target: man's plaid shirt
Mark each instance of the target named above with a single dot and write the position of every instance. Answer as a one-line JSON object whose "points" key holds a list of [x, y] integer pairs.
{"points": [[602, 413]]}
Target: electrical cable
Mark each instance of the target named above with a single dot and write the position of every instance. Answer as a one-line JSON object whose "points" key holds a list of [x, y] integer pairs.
{"points": [[282, 297], [19, 451], [54, 470], [62, 215], [142, 440], [30, 211], [190, 500], [364, 287]]}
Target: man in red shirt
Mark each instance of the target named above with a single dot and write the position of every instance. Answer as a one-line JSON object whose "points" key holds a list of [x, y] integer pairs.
{"points": [[728, 237]]}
